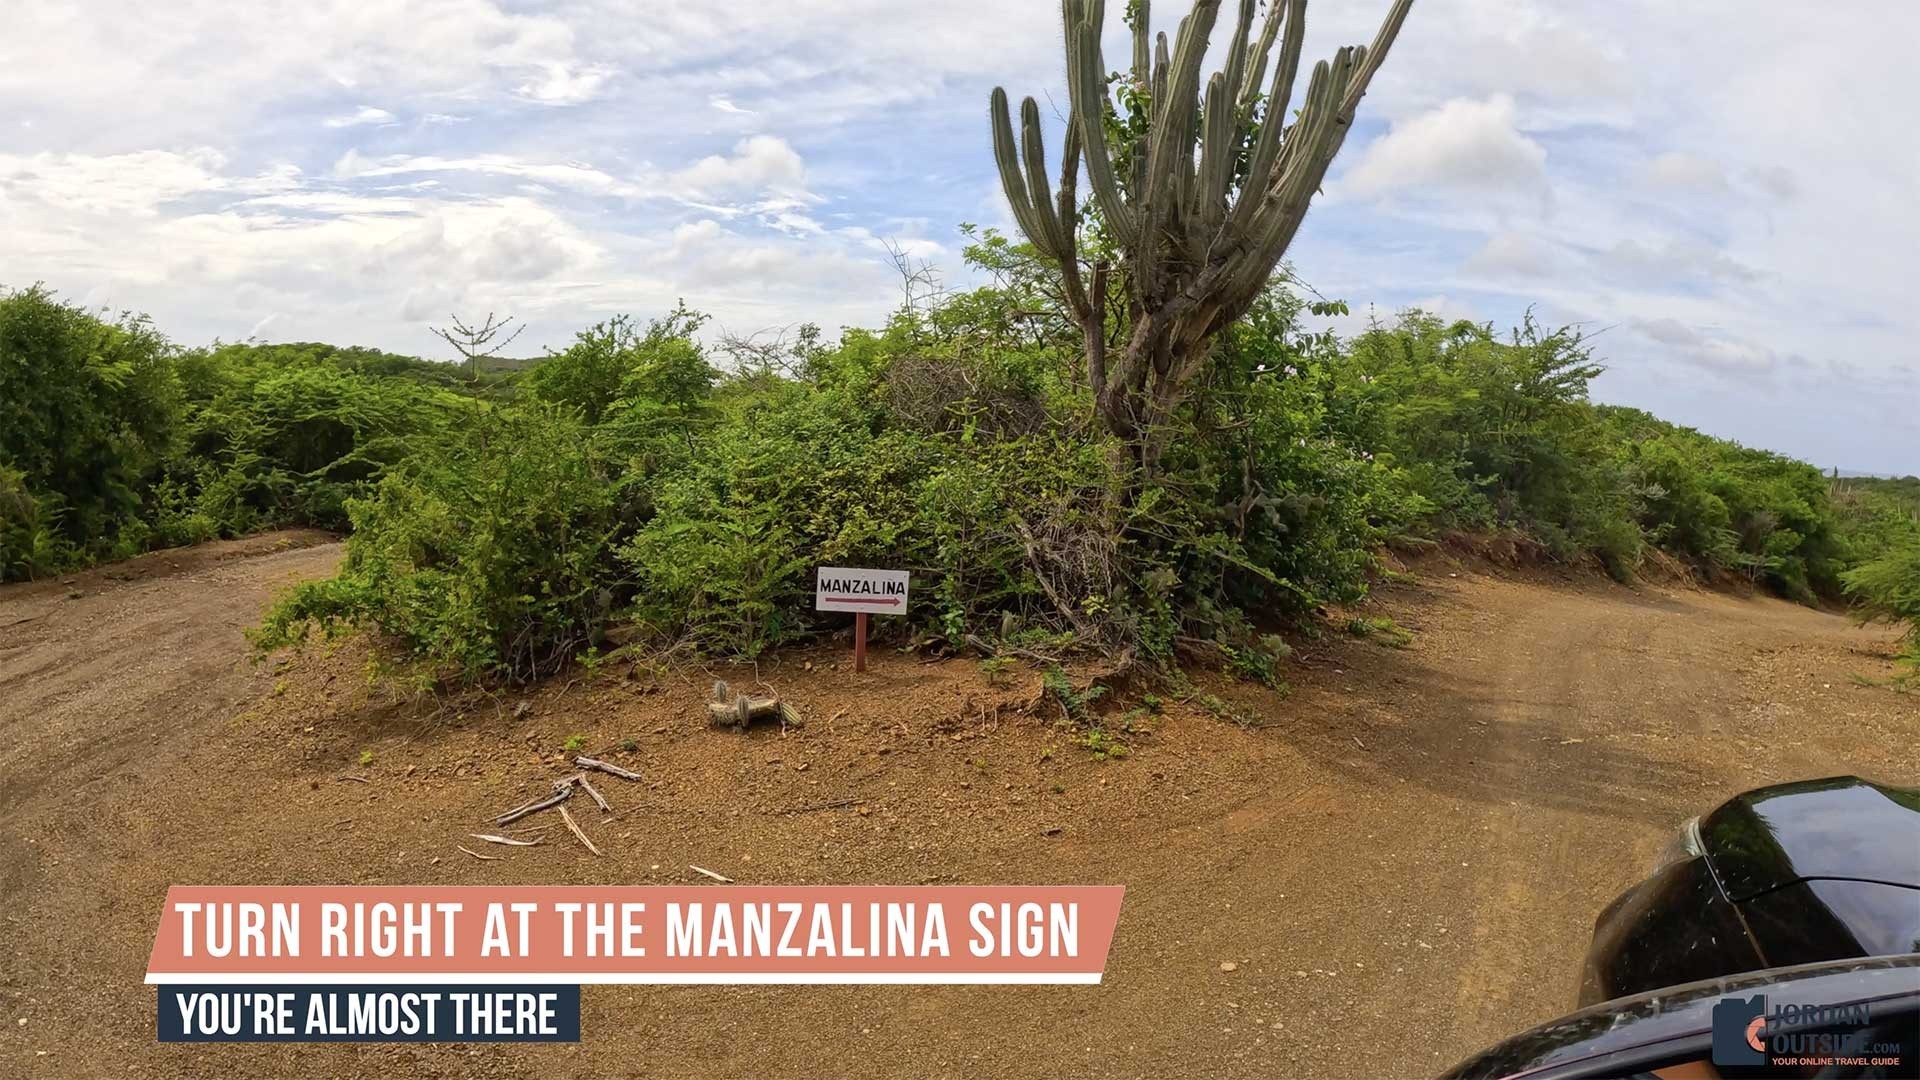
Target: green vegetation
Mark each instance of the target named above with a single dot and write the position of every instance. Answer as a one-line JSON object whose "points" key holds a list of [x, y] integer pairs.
{"points": [[502, 532], [114, 441], [1881, 518]]}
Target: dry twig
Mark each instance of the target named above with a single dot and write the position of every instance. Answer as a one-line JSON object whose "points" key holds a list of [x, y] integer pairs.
{"points": [[561, 793], [606, 767], [602, 803], [575, 826]]}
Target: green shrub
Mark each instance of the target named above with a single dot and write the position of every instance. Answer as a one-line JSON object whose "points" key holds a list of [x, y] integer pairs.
{"points": [[87, 409], [489, 556], [1888, 589]]}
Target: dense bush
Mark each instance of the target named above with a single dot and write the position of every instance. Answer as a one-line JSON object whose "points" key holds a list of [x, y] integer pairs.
{"points": [[113, 440], [500, 529], [86, 418], [486, 554], [1888, 588]]}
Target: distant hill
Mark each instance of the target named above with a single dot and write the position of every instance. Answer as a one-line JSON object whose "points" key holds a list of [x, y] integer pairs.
{"points": [[499, 365]]}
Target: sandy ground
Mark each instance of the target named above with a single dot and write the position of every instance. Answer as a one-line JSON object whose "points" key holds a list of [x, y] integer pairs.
{"points": [[1403, 857]]}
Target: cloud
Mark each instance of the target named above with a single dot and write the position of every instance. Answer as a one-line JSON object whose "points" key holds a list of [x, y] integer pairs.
{"points": [[1716, 352], [758, 163], [565, 84], [138, 183], [1514, 255], [1462, 144], [1684, 262], [366, 114], [1677, 169]]}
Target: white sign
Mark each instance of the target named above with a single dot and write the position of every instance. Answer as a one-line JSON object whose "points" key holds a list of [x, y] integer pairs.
{"points": [[845, 588]]}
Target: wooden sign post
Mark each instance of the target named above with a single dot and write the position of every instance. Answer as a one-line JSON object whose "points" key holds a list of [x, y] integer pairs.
{"points": [[863, 592]]}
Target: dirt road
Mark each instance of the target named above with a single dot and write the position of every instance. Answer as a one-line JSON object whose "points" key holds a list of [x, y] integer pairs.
{"points": [[1402, 858]]}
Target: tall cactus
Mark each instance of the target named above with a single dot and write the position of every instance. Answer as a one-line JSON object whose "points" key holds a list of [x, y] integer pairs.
{"points": [[1209, 198]]}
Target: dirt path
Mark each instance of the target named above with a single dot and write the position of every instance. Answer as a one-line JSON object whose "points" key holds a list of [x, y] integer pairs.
{"points": [[1403, 858]]}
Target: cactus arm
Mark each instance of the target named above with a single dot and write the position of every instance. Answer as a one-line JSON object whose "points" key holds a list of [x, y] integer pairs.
{"points": [[1273, 123], [1305, 168], [1053, 240], [1007, 156], [1236, 68], [1249, 87], [1218, 148], [1089, 97], [1183, 93], [1376, 55], [1142, 43]]}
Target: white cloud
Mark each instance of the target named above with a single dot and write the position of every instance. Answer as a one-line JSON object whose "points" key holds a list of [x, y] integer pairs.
{"points": [[564, 84], [364, 115], [1512, 254], [138, 183], [1686, 262], [1461, 144], [1717, 352], [1677, 169], [758, 163]]}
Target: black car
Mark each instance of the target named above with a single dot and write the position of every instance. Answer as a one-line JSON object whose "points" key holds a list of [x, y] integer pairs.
{"points": [[1793, 874], [1804, 893], [1678, 1032]]}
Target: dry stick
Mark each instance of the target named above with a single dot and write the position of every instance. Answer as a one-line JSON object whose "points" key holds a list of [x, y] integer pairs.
{"points": [[561, 793], [477, 855], [597, 800], [492, 839], [355, 779], [721, 878], [606, 767], [571, 824]]}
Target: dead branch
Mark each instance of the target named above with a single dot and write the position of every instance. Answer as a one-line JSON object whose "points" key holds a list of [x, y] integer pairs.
{"points": [[477, 855], [606, 767], [598, 801], [574, 826], [561, 793]]}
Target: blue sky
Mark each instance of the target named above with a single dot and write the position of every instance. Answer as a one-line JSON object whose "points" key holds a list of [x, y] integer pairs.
{"points": [[1721, 192]]}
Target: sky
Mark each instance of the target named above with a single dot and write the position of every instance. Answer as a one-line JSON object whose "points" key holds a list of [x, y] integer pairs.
{"points": [[1721, 192]]}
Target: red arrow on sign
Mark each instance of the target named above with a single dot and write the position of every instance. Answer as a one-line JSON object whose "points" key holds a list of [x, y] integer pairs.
{"points": [[889, 601]]}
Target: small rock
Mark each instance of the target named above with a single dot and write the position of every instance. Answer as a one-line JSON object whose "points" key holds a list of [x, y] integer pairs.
{"points": [[1229, 966], [522, 709]]}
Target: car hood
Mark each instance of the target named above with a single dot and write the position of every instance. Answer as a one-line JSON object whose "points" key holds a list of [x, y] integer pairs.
{"points": [[1842, 827]]}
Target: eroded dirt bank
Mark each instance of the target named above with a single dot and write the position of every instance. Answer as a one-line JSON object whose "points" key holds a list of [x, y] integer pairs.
{"points": [[1402, 859]]}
